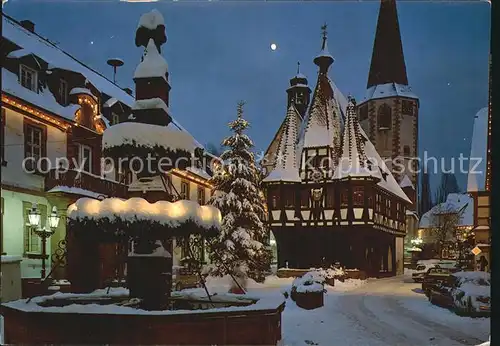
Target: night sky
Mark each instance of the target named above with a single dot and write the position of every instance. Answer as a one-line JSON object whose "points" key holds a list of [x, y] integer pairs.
{"points": [[219, 53]]}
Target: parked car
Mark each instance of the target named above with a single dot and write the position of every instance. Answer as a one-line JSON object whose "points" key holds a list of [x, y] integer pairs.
{"points": [[466, 293], [421, 269], [432, 277]]}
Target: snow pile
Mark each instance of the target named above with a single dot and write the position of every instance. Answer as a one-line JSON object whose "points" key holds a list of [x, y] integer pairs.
{"points": [[138, 209], [151, 136], [10, 259], [151, 20], [312, 281], [153, 64], [82, 91], [329, 273], [262, 303], [154, 103]]}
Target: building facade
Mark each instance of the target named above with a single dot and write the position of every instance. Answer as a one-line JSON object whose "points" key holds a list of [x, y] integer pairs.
{"points": [[54, 111], [330, 198]]}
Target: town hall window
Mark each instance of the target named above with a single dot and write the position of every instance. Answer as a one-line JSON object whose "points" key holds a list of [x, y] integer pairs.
{"points": [[358, 196], [406, 150], [304, 198], [28, 78], [407, 107], [289, 198], [384, 117], [344, 199]]}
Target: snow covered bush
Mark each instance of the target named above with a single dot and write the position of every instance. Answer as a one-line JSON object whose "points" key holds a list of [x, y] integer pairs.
{"points": [[237, 194], [312, 281]]}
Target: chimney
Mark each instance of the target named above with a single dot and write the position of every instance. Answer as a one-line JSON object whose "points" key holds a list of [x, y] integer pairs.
{"points": [[28, 25], [128, 90]]}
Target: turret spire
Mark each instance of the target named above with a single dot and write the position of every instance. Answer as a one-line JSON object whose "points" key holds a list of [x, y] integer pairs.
{"points": [[388, 63], [324, 58]]}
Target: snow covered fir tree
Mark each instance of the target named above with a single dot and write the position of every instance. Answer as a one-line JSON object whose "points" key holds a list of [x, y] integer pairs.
{"points": [[240, 248]]}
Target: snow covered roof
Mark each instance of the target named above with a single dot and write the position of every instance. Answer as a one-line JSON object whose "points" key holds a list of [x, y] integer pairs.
{"points": [[43, 99], [57, 58], [151, 20], [476, 179], [387, 181], [353, 161], [406, 182], [389, 90], [285, 168], [153, 64], [76, 191], [110, 102], [137, 209], [199, 172], [139, 134], [85, 91], [322, 124], [154, 103], [454, 203]]}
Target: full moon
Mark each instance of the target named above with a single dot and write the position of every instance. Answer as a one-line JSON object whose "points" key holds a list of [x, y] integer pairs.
{"points": [[273, 46]]}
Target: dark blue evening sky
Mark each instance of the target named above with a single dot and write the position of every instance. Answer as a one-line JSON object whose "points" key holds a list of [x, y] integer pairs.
{"points": [[218, 53]]}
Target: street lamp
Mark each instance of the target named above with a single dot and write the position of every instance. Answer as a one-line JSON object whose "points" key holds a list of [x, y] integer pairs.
{"points": [[44, 233]]}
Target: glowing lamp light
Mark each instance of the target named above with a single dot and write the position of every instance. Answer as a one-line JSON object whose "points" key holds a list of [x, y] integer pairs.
{"points": [[34, 216], [54, 218]]}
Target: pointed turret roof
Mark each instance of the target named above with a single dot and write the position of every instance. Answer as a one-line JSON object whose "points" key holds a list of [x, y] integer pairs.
{"points": [[388, 63], [322, 125], [353, 162], [285, 168]]}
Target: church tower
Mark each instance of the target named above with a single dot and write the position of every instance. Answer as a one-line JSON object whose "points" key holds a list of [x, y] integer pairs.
{"points": [[389, 112]]}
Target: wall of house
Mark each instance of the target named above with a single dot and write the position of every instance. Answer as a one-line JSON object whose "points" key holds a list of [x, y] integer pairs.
{"points": [[19, 186], [13, 173], [399, 255]]}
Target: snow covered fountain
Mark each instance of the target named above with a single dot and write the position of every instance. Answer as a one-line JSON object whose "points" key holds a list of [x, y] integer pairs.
{"points": [[145, 225]]}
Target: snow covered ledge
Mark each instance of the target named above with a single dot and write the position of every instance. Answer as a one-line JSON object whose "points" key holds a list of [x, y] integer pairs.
{"points": [[162, 214]]}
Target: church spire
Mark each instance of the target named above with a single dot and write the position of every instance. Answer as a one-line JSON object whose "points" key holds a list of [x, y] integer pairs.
{"points": [[324, 58], [388, 63]]}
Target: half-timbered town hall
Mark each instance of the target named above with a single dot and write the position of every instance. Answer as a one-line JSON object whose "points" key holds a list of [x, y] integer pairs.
{"points": [[331, 198]]}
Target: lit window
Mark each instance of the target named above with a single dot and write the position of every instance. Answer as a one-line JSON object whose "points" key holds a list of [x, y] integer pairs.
{"points": [[85, 158], [201, 195], [116, 119], [28, 78], [299, 99], [33, 138], [184, 190]]}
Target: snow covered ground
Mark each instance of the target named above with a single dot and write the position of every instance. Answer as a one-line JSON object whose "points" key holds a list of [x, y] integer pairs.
{"points": [[379, 312]]}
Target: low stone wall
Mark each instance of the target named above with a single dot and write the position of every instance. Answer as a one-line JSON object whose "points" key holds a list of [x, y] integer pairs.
{"points": [[257, 327]]}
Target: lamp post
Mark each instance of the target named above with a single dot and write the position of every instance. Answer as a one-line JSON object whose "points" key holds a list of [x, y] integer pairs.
{"points": [[34, 217]]}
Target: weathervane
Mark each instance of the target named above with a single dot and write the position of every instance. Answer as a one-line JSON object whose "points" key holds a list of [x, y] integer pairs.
{"points": [[323, 30], [298, 67]]}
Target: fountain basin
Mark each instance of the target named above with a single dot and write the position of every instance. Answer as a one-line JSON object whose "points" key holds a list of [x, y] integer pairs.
{"points": [[90, 323]]}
